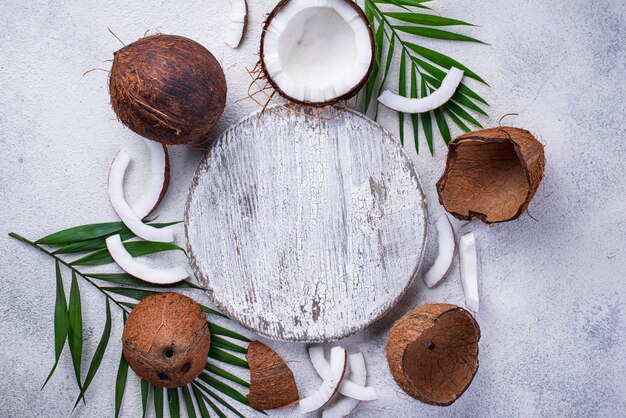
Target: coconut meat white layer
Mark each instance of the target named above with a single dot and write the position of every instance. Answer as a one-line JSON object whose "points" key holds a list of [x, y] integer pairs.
{"points": [[317, 50]]}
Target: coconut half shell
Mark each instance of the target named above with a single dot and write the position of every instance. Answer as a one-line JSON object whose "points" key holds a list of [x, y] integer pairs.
{"points": [[491, 174], [166, 340], [432, 352], [272, 384]]}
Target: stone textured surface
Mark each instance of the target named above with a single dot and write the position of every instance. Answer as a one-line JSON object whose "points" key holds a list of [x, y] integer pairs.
{"points": [[553, 308]]}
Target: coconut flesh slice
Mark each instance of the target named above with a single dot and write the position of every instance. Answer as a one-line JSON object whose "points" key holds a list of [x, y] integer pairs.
{"points": [[348, 387], [146, 273], [469, 270], [159, 180], [425, 104], [445, 243], [317, 52], [123, 210], [358, 374], [237, 23], [330, 385]]}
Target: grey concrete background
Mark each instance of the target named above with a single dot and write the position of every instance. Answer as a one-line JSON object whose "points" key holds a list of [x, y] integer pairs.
{"points": [[553, 308]]}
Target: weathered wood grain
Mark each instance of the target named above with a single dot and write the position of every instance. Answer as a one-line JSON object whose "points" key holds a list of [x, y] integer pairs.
{"points": [[305, 228]]}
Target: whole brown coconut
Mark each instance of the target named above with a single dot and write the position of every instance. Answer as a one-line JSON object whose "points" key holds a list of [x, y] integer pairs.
{"points": [[272, 384], [166, 340], [432, 352], [167, 88], [491, 174]]}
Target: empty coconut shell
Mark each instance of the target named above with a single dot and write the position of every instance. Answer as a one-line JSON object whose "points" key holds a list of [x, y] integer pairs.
{"points": [[432, 352], [491, 174], [167, 88], [166, 340], [272, 384]]}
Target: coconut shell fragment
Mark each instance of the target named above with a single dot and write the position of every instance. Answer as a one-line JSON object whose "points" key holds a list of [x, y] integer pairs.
{"points": [[272, 384], [167, 88], [432, 352], [166, 340], [491, 174]]}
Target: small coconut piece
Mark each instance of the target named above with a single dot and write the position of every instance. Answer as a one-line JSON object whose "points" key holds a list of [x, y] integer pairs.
{"points": [[237, 23], [491, 174], [272, 384], [432, 352], [166, 340], [469, 270], [124, 211], [167, 88], [445, 244], [317, 53], [348, 387], [358, 374], [436, 99], [148, 274], [159, 180], [330, 385]]}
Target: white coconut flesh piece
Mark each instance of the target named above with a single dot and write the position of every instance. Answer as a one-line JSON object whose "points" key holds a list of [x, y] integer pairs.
{"points": [[317, 51], [159, 173], [425, 104], [358, 374], [146, 273], [445, 244], [124, 211], [237, 23], [348, 387], [330, 385], [469, 270]]}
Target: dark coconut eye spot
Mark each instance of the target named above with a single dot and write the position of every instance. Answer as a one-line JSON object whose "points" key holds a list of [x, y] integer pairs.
{"points": [[185, 368], [431, 345], [163, 376], [168, 352]]}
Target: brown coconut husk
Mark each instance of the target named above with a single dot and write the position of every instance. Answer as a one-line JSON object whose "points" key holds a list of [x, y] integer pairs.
{"points": [[272, 384], [491, 174], [432, 352], [353, 92], [167, 88], [166, 340]]}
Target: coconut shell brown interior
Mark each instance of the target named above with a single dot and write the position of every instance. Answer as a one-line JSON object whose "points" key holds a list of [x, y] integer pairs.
{"points": [[272, 384], [432, 352], [166, 340], [491, 174], [167, 88]]}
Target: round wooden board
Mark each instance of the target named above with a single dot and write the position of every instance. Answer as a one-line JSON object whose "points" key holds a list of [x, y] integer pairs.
{"points": [[305, 227]]}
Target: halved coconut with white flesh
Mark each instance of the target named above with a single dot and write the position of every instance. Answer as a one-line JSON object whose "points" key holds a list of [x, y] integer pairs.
{"points": [[159, 180], [318, 52], [124, 211], [330, 385], [348, 387], [237, 23], [148, 274]]}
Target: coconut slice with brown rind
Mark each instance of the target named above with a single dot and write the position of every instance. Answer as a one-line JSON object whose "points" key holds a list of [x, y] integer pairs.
{"points": [[491, 174], [272, 384], [432, 352]]}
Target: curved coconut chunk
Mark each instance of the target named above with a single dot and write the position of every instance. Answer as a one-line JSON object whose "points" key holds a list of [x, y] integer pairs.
{"points": [[319, 44], [330, 385], [436, 99], [237, 23], [445, 252], [148, 274], [123, 210], [469, 270], [358, 374], [159, 179], [348, 386]]}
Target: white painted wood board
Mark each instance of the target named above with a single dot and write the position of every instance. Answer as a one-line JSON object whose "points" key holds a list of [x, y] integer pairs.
{"points": [[307, 225]]}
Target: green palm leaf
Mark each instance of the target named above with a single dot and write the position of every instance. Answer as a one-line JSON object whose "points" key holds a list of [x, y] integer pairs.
{"points": [[145, 392], [135, 248], [402, 92], [81, 233], [173, 402], [426, 19], [225, 357], [98, 355], [436, 34], [442, 125], [219, 330], [389, 55], [120, 380], [75, 330], [226, 375], [204, 413], [427, 123], [127, 279], [455, 119], [157, 394], [463, 114], [414, 117], [223, 387], [413, 3], [191, 411], [369, 88], [61, 321], [218, 399], [443, 60], [223, 343]]}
